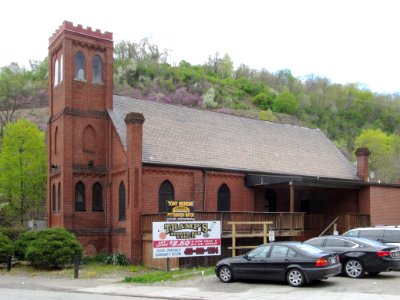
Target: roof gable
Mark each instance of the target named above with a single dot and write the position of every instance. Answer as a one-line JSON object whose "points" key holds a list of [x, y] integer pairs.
{"points": [[182, 136]]}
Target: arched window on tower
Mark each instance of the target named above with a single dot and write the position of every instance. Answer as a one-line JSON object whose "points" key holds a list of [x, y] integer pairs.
{"points": [[80, 66], [56, 73], [97, 69], [53, 198], [122, 206], [59, 196], [224, 198], [61, 68], [79, 196], [97, 197], [166, 192], [56, 137]]}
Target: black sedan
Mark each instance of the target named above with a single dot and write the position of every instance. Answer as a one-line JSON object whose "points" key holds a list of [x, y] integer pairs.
{"points": [[293, 262], [359, 255]]}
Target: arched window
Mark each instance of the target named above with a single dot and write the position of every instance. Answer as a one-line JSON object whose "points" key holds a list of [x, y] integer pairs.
{"points": [[80, 197], [80, 66], [97, 69], [59, 196], [61, 68], [53, 198], [122, 210], [97, 197], [89, 140], [166, 193], [56, 141], [224, 198], [56, 72]]}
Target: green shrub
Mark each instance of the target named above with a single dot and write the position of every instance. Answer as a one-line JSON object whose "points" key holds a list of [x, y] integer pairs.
{"points": [[22, 242], [53, 248], [264, 100], [286, 103], [267, 115], [98, 258], [12, 232], [117, 259], [5, 248], [241, 105]]}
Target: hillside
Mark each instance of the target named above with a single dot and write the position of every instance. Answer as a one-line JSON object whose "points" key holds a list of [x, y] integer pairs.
{"points": [[343, 112]]}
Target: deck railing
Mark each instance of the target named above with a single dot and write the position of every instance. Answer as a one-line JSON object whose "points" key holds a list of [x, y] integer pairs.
{"points": [[349, 221], [319, 222], [283, 223]]}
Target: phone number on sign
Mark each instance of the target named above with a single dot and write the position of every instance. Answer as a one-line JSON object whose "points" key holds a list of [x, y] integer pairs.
{"points": [[187, 243]]}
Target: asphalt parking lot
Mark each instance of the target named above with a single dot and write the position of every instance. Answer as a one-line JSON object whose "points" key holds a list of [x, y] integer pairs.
{"points": [[387, 283]]}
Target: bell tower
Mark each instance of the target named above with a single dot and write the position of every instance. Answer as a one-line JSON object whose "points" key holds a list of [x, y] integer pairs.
{"points": [[80, 93]]}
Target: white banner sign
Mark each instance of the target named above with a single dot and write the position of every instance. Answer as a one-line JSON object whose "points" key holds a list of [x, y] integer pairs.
{"points": [[186, 239]]}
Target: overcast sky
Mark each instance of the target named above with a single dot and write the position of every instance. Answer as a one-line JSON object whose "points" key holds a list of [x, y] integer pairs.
{"points": [[347, 41]]}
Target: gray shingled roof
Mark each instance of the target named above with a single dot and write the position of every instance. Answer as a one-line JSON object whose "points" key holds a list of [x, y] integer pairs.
{"points": [[176, 135]]}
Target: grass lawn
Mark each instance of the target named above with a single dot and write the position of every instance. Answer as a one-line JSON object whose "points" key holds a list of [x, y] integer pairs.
{"points": [[130, 273]]}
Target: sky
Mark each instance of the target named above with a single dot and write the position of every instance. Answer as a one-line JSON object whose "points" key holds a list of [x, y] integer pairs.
{"points": [[346, 41]]}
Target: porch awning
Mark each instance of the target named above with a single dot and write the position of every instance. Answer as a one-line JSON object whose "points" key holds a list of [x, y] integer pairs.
{"points": [[255, 180]]}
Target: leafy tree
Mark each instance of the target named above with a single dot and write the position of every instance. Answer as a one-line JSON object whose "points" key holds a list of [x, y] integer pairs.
{"points": [[19, 87], [53, 248], [5, 248], [244, 71], [226, 67], [23, 170], [385, 155], [11, 92], [286, 103]]}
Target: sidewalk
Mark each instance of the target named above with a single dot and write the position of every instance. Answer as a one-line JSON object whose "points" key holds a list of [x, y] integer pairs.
{"points": [[191, 293], [210, 288]]}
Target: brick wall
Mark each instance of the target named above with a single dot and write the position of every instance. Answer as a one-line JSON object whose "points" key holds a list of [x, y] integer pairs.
{"points": [[385, 205], [189, 184]]}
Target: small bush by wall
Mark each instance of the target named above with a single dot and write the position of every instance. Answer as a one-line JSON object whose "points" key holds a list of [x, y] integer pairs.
{"points": [[53, 248], [22, 242], [117, 259]]}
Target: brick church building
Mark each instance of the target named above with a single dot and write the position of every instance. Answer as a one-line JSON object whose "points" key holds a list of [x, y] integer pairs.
{"points": [[114, 160]]}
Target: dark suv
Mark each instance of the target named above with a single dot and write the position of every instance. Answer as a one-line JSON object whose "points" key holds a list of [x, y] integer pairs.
{"points": [[386, 234]]}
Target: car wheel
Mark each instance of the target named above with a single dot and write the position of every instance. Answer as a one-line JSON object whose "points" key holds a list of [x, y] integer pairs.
{"points": [[354, 268], [225, 274], [295, 277]]}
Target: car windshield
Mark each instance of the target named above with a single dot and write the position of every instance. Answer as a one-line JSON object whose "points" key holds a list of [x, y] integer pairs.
{"points": [[372, 242], [309, 248]]}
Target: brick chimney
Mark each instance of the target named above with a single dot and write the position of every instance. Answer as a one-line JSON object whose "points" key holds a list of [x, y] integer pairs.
{"points": [[362, 163]]}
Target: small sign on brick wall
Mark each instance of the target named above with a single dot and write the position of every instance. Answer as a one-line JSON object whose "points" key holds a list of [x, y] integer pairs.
{"points": [[180, 210]]}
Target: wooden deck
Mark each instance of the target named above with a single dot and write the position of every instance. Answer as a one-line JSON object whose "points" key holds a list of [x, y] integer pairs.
{"points": [[283, 223]]}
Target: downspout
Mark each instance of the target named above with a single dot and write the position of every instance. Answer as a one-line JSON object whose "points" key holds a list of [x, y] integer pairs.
{"points": [[291, 187], [204, 189]]}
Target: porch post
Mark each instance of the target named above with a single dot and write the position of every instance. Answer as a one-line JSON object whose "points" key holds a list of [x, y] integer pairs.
{"points": [[291, 197]]}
